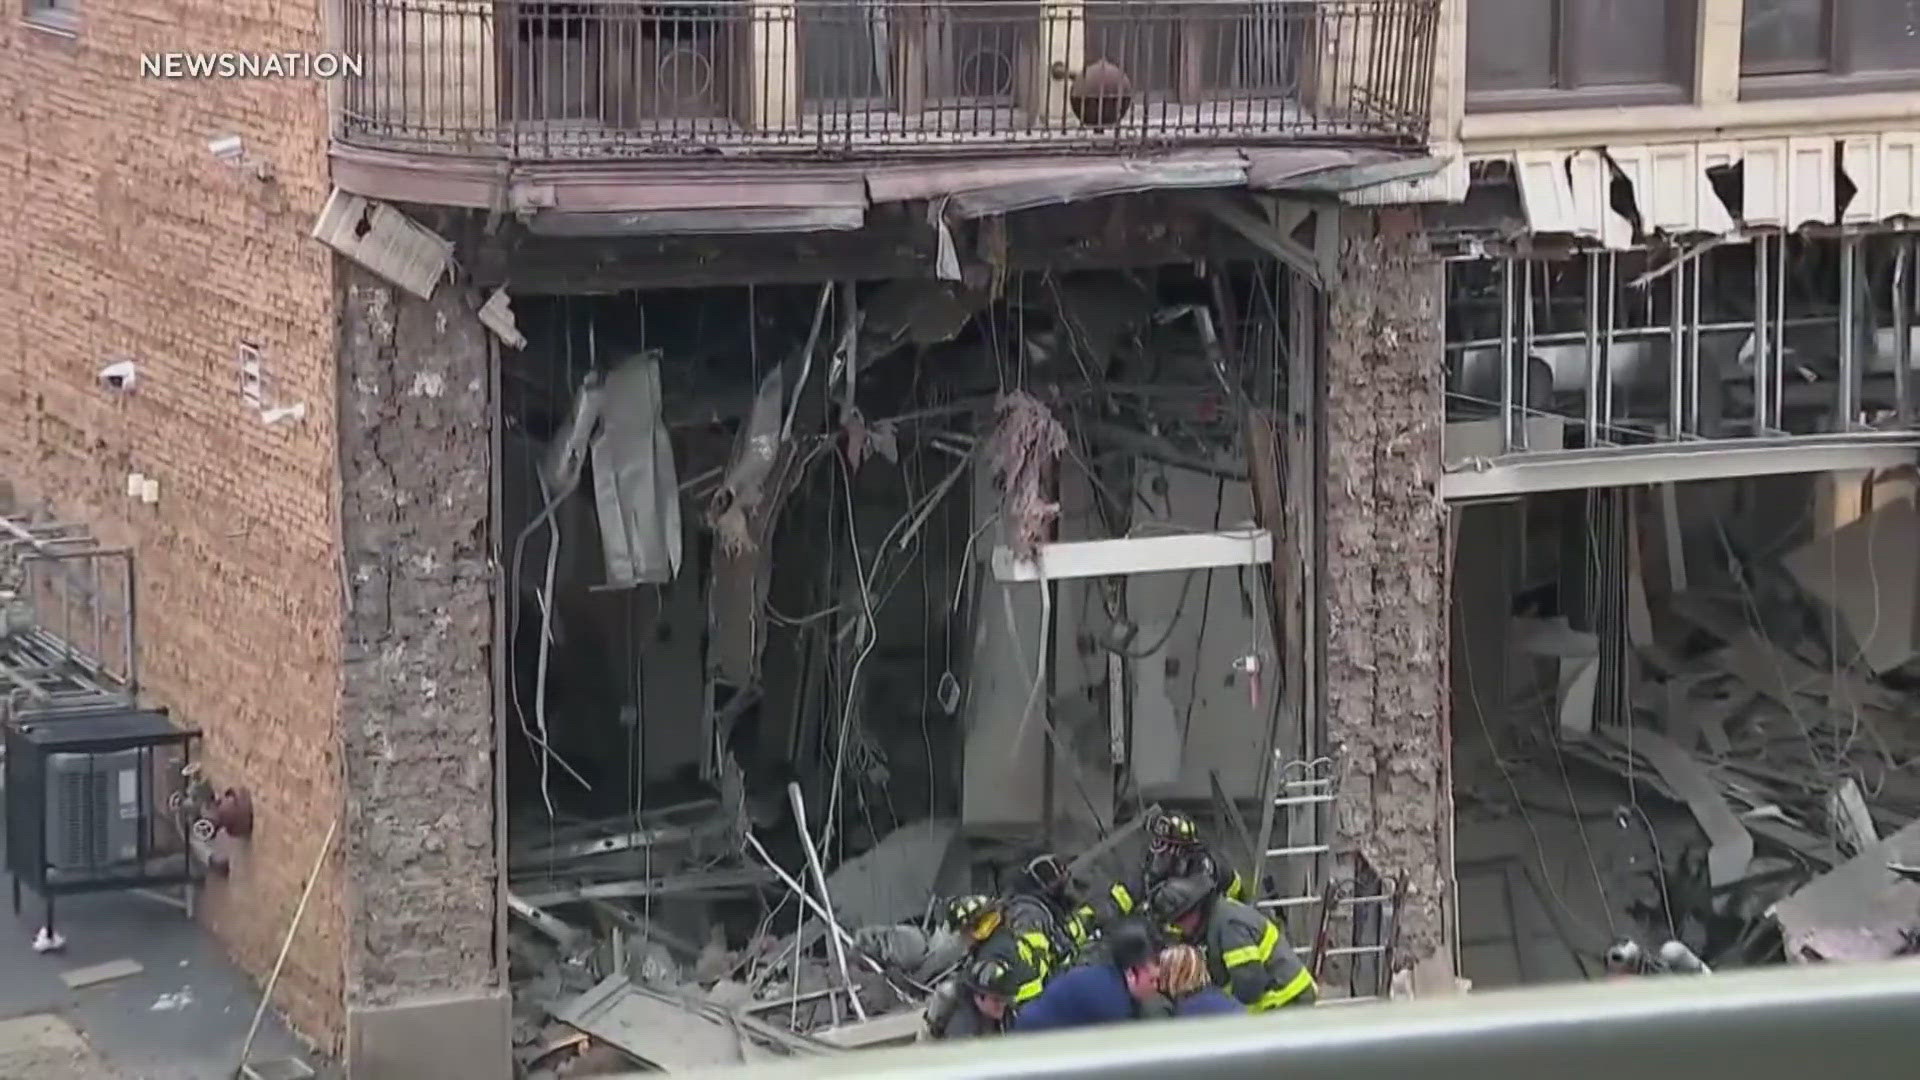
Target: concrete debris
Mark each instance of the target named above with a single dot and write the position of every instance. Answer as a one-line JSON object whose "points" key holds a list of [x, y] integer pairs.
{"points": [[1719, 770], [1861, 910], [894, 879], [653, 1028], [894, 1029], [1851, 571]]}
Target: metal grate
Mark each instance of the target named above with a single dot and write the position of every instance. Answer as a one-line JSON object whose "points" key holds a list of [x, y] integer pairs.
{"points": [[66, 620], [542, 80]]}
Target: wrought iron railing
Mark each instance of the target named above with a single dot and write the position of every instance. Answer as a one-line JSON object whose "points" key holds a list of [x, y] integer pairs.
{"points": [[540, 80]]}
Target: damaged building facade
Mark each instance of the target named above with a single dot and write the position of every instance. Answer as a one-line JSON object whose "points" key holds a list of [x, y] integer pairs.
{"points": [[681, 483], [1680, 341]]}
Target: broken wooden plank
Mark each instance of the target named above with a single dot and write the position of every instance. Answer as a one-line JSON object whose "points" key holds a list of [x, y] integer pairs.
{"points": [[1847, 809], [669, 1035], [889, 1030], [1732, 845], [80, 978]]}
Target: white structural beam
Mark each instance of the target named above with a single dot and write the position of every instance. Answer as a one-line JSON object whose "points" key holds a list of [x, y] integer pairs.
{"points": [[1722, 459], [1136, 555]]}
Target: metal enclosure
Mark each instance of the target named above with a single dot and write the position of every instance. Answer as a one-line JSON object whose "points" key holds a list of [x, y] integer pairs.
{"points": [[93, 802]]}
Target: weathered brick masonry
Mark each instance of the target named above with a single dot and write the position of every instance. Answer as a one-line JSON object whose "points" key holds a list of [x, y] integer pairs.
{"points": [[415, 455], [1385, 575], [122, 237]]}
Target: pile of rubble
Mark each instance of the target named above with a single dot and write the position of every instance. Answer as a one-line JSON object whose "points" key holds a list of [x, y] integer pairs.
{"points": [[1740, 776], [685, 944]]}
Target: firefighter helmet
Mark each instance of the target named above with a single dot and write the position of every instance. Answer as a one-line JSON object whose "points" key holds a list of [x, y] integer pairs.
{"points": [[963, 912], [992, 977], [1173, 829], [1047, 872], [1177, 896]]}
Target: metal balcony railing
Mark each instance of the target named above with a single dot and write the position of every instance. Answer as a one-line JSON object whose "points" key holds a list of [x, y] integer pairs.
{"points": [[629, 78]]}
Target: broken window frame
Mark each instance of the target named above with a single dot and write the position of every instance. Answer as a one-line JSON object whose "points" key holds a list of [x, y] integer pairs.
{"points": [[1846, 26], [1571, 86], [1868, 269]]}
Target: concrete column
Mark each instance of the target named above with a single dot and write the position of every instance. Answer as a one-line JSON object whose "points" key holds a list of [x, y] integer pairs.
{"points": [[425, 982], [1384, 583]]}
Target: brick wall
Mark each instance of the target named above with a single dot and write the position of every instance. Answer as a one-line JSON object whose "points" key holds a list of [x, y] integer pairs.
{"points": [[1385, 575], [121, 237], [415, 453]]}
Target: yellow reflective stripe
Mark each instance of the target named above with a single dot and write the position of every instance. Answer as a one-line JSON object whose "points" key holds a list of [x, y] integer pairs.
{"points": [[1253, 954], [1236, 889], [1273, 999], [1123, 898], [985, 928], [1036, 940], [1028, 991]]}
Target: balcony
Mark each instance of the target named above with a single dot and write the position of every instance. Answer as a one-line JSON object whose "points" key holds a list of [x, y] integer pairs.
{"points": [[541, 81]]}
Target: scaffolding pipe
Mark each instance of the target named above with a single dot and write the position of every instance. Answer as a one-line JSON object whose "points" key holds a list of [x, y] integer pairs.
{"points": [[1677, 356], [1903, 274], [1762, 335], [1506, 356], [1693, 351], [1847, 403], [1777, 421], [826, 900], [1593, 349]]}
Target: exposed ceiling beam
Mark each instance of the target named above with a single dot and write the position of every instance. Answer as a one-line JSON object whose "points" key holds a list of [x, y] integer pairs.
{"points": [[1136, 555], [1722, 459]]}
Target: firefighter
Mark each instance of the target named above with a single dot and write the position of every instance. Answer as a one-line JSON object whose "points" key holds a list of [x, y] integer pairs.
{"points": [[985, 924], [1175, 850], [1246, 954], [1041, 905], [1123, 985], [979, 1002]]}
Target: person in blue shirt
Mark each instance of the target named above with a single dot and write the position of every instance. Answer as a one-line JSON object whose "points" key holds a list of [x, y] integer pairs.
{"points": [[1126, 986], [1188, 987]]}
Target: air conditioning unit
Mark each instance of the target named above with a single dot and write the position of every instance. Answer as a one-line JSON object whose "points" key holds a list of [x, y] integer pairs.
{"points": [[94, 809]]}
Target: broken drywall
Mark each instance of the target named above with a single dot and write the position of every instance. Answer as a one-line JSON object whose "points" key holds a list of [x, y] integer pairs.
{"points": [[1195, 712], [1875, 595]]}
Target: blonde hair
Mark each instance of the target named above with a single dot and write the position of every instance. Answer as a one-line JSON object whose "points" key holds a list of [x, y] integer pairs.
{"points": [[1183, 971]]}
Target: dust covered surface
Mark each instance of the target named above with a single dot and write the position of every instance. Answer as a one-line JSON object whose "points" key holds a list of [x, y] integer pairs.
{"points": [[415, 415], [1385, 566]]}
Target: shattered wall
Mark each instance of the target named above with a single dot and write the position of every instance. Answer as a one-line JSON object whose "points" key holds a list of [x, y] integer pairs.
{"points": [[416, 417], [1384, 577]]}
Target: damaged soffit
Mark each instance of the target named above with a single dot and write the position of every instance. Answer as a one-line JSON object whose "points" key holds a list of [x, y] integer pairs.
{"points": [[644, 200], [1715, 188]]}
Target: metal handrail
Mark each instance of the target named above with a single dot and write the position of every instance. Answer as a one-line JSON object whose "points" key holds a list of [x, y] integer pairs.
{"points": [[537, 80]]}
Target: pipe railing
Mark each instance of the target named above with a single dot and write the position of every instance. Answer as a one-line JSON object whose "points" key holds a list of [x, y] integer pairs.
{"points": [[543, 80]]}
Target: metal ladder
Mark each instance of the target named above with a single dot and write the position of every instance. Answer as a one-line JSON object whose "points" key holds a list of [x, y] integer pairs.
{"points": [[1300, 790]]}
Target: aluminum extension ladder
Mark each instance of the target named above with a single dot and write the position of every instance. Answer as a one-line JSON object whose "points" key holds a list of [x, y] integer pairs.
{"points": [[1302, 791]]}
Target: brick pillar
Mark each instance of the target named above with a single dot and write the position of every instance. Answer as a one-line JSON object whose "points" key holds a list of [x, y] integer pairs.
{"points": [[425, 986], [1384, 580]]}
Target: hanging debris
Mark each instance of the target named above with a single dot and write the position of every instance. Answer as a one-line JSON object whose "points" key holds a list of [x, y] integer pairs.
{"points": [[1027, 444]]}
